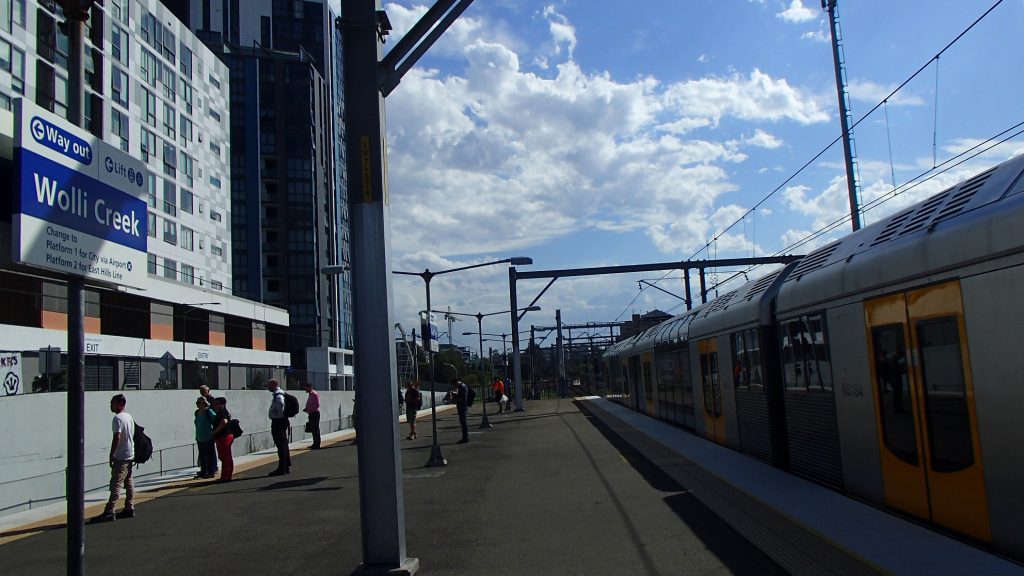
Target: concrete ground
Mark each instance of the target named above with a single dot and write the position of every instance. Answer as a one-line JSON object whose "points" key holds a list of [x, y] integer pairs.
{"points": [[545, 491]]}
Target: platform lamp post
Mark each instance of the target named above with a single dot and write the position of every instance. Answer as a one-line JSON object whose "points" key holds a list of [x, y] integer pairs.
{"points": [[436, 458], [184, 333], [76, 12], [484, 421]]}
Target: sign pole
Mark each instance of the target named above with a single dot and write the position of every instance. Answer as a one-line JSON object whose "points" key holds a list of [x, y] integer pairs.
{"points": [[76, 333]]}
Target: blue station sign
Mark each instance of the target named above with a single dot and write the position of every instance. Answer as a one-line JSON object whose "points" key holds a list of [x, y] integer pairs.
{"points": [[80, 205]]}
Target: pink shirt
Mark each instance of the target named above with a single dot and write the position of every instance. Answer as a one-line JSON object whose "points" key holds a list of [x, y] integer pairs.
{"points": [[312, 403]]}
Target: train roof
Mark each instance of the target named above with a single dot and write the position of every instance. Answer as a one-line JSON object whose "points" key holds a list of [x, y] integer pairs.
{"points": [[968, 222], [735, 308], [672, 331]]}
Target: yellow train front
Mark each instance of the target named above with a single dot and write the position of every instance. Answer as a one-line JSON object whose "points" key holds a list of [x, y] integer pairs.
{"points": [[884, 364]]}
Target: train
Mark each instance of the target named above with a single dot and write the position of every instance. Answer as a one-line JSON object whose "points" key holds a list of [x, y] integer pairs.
{"points": [[886, 364]]}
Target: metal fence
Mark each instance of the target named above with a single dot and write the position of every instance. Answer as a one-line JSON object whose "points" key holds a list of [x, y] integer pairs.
{"points": [[164, 460]]}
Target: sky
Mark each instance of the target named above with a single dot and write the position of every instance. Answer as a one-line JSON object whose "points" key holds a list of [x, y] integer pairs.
{"points": [[586, 133]]}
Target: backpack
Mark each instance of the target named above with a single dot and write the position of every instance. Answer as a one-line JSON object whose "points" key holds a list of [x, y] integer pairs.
{"points": [[470, 396], [143, 445], [291, 405], [236, 429]]}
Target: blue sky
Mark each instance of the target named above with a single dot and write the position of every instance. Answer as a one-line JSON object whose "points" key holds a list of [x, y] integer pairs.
{"points": [[589, 133]]}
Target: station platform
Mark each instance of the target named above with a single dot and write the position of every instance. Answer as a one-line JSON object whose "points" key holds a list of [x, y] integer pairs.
{"points": [[571, 486]]}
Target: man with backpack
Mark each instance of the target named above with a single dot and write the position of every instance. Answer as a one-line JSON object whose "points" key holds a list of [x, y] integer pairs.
{"points": [[122, 452], [312, 410], [279, 426]]}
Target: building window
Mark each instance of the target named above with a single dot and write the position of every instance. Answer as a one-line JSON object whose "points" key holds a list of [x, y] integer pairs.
{"points": [[151, 263], [185, 129], [216, 250], [215, 215], [215, 182], [151, 224], [170, 269], [149, 107], [170, 232], [119, 87], [170, 193], [170, 128], [188, 274], [17, 70], [186, 95], [216, 285], [170, 160], [214, 81], [119, 47], [215, 148], [151, 189], [214, 115], [187, 238], [147, 143], [149, 67], [186, 201], [119, 9], [169, 80], [186, 166], [185, 62], [119, 127]]}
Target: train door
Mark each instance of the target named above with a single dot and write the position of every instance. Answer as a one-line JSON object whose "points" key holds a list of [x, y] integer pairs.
{"points": [[714, 422], [924, 399], [648, 380]]}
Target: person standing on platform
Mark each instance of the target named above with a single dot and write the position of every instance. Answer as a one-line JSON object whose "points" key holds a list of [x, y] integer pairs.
{"points": [[279, 428], [312, 410], [499, 390], [223, 436], [122, 451], [413, 402], [459, 394], [205, 418], [204, 391]]}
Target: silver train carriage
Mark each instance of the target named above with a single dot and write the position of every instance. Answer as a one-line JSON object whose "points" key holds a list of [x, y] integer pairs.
{"points": [[884, 364]]}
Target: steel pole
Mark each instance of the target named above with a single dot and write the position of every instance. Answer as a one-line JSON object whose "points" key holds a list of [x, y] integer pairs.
{"points": [[484, 421], [436, 458], [381, 502], [76, 332]]}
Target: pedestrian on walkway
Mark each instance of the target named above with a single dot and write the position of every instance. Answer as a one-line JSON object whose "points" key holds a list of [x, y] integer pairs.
{"points": [[413, 402], [223, 436], [205, 418], [499, 390], [122, 451], [459, 394], [204, 391], [279, 428], [312, 410], [507, 394]]}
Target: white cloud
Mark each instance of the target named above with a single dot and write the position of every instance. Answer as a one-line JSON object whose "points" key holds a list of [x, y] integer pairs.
{"points": [[561, 30], [817, 36], [758, 97], [797, 12], [493, 158], [873, 93], [762, 139]]}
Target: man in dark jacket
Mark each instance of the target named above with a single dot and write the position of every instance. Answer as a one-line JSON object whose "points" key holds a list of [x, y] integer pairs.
{"points": [[459, 395]]}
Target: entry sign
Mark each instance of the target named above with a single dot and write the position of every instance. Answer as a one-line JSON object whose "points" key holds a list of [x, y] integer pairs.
{"points": [[430, 333], [80, 203], [11, 383]]}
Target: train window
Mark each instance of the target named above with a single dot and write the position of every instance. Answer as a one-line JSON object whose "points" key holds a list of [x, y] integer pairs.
{"points": [[806, 361], [712, 391], [746, 360], [893, 390], [942, 374]]}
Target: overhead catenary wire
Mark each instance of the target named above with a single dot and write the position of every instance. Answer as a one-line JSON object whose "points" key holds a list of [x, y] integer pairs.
{"points": [[873, 203]]}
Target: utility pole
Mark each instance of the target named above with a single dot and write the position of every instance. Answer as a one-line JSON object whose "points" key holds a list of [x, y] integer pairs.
{"points": [[844, 111]]}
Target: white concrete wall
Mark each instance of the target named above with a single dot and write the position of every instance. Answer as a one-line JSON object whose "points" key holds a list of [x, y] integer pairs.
{"points": [[33, 455]]}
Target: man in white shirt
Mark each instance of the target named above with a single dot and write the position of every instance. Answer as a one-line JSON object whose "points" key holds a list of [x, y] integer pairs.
{"points": [[279, 428], [122, 452]]}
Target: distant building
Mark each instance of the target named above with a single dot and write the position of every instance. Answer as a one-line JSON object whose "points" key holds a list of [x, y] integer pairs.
{"points": [[640, 323], [156, 92], [288, 185]]}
